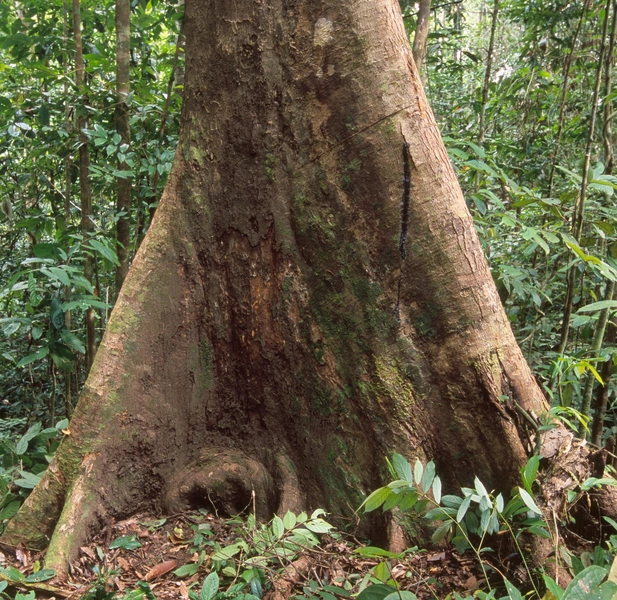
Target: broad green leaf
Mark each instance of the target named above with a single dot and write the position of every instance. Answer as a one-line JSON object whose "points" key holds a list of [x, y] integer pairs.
{"points": [[42, 575], [373, 551], [104, 250], [404, 595], [28, 480], [481, 489], [584, 583], [437, 489], [318, 526], [56, 313], [277, 527], [42, 353], [402, 467], [227, 552], [441, 532], [10, 510], [597, 306], [418, 471], [376, 499], [289, 520], [126, 542], [529, 501], [512, 590], [552, 587], [612, 576], [375, 592], [529, 472], [22, 444], [463, 508], [210, 587], [72, 341], [187, 570], [428, 476]]}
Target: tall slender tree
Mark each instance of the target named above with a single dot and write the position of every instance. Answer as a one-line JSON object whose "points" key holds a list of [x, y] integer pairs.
{"points": [[123, 182], [84, 168]]}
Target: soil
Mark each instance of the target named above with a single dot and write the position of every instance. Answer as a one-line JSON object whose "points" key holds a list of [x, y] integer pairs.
{"points": [[167, 544]]}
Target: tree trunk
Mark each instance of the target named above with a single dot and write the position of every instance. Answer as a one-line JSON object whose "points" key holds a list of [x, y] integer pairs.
{"points": [[421, 35], [310, 296], [123, 184], [84, 174]]}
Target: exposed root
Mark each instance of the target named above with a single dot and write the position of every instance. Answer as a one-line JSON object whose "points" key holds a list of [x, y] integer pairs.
{"points": [[223, 479]]}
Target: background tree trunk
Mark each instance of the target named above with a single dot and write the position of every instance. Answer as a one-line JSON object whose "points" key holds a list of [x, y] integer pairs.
{"points": [[421, 35], [85, 191], [311, 294], [123, 199]]}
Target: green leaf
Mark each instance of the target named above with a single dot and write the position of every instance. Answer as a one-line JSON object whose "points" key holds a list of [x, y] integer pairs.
{"points": [[584, 583], [226, 553], [10, 510], [597, 306], [318, 526], [42, 353], [402, 467], [277, 527], [529, 472], [512, 590], [376, 499], [373, 551], [437, 489], [105, 251], [186, 570], [42, 575], [441, 532], [56, 313], [28, 480], [13, 575], [404, 595], [126, 542], [418, 471], [552, 587], [210, 587], [529, 501], [289, 520], [481, 490], [463, 508], [22, 444], [375, 592], [72, 341], [428, 476]]}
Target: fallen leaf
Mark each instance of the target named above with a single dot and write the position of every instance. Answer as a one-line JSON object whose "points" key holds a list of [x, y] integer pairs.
{"points": [[184, 592], [88, 552], [161, 569]]}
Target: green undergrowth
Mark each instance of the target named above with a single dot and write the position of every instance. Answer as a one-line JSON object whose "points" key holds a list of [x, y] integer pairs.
{"points": [[24, 458], [253, 560]]}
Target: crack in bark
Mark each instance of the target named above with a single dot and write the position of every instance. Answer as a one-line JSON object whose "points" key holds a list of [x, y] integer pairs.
{"points": [[405, 201]]}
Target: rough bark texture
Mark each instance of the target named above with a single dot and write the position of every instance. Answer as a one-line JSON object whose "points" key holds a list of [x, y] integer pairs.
{"points": [[310, 296]]}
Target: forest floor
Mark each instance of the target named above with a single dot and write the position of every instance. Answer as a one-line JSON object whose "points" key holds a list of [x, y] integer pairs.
{"points": [[151, 549]]}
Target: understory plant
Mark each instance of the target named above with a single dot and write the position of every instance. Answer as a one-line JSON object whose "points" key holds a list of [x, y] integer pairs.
{"points": [[476, 517]]}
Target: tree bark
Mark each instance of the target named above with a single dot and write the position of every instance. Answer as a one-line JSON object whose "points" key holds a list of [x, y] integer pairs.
{"points": [[310, 296]]}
